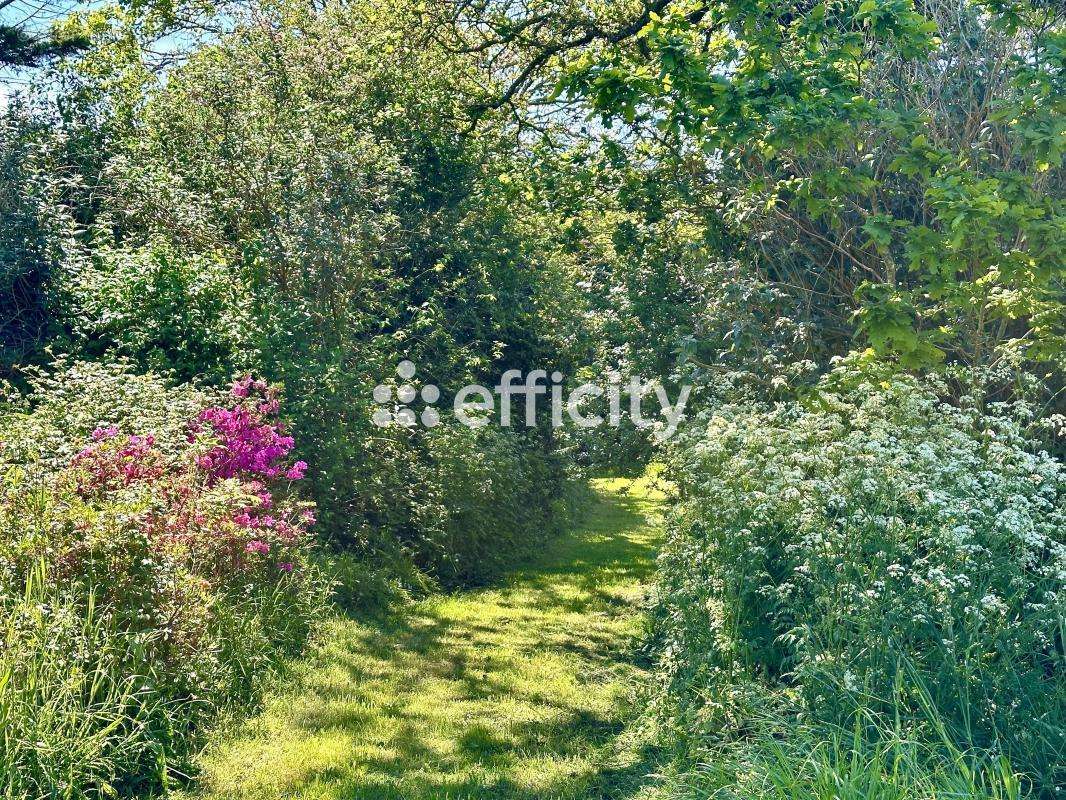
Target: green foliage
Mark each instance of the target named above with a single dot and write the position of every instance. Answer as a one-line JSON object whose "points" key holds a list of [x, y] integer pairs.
{"points": [[171, 313], [804, 764], [53, 419], [913, 150], [141, 595], [374, 232], [317, 223], [870, 550], [73, 711], [724, 192], [36, 231], [485, 498]]}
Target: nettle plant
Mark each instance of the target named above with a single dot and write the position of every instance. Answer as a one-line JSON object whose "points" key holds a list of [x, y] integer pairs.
{"points": [[872, 549]]}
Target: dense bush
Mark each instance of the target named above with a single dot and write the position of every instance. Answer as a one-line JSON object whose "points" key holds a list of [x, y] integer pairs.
{"points": [[36, 232], [486, 498], [454, 502], [317, 226], [168, 311], [145, 583], [874, 549]]}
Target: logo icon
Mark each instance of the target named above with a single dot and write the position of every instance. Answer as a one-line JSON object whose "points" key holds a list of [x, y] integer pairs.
{"points": [[400, 412]]}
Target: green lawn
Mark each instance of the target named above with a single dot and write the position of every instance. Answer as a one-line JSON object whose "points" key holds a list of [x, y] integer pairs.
{"points": [[520, 691]]}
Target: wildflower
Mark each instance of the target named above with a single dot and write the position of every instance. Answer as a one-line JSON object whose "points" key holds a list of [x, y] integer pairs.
{"points": [[109, 432], [257, 546], [285, 566], [296, 471]]}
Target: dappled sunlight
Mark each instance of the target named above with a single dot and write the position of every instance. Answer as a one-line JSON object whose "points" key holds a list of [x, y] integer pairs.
{"points": [[516, 691]]}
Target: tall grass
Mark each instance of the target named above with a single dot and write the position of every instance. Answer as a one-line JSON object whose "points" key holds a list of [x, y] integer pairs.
{"points": [[74, 710], [881, 757], [816, 767], [85, 712]]}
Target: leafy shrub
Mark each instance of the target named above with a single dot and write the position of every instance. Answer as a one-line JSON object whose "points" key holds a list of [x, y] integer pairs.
{"points": [[184, 562], [170, 312], [452, 502], [866, 549], [485, 498], [36, 231], [48, 424], [395, 240]]}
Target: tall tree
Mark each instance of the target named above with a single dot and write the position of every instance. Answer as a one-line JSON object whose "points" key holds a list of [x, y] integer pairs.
{"points": [[897, 164], [26, 39]]}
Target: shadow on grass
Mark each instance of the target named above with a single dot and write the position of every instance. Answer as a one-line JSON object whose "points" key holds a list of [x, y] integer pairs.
{"points": [[515, 692]]}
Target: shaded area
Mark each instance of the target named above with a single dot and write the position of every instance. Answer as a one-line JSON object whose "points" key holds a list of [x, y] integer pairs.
{"points": [[521, 691]]}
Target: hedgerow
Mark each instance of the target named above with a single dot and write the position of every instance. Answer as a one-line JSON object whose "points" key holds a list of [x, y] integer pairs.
{"points": [[871, 553]]}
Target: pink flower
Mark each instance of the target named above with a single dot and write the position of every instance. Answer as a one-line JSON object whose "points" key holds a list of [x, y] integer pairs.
{"points": [[248, 443], [308, 517], [109, 432], [285, 567], [296, 471], [257, 546]]}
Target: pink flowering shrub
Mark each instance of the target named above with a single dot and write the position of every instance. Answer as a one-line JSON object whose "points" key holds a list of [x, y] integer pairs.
{"points": [[250, 443], [102, 468], [224, 507], [195, 549]]}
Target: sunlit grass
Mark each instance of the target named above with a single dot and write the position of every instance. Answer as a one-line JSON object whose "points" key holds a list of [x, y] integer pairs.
{"points": [[520, 691]]}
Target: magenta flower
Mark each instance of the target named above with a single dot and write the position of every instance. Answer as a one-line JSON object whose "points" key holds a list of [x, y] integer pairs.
{"points": [[296, 471], [285, 567], [110, 432], [249, 444], [257, 546]]}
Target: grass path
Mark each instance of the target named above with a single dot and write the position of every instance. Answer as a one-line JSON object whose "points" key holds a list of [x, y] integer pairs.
{"points": [[519, 692]]}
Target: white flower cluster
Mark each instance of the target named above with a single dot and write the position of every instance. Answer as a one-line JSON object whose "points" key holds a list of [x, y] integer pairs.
{"points": [[840, 539]]}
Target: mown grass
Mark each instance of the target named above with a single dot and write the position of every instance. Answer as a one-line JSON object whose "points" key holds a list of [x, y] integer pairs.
{"points": [[521, 691]]}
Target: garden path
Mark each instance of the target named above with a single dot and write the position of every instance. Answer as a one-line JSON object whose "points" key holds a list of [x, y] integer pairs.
{"points": [[520, 691]]}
